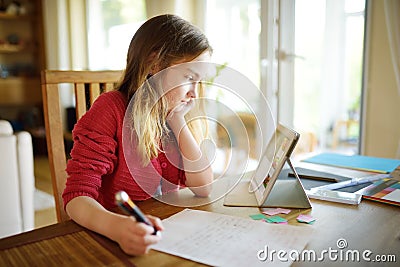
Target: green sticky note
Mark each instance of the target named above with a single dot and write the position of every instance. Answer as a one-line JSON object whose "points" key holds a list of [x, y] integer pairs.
{"points": [[276, 219], [258, 216]]}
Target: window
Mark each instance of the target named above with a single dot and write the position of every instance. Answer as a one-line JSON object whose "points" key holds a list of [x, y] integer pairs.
{"points": [[111, 25], [327, 64], [319, 46], [233, 28]]}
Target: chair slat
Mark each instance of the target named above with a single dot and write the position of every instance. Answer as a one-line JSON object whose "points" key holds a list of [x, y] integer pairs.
{"points": [[80, 100], [94, 92], [109, 87]]}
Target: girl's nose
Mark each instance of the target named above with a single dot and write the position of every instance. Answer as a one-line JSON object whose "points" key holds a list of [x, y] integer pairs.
{"points": [[192, 92]]}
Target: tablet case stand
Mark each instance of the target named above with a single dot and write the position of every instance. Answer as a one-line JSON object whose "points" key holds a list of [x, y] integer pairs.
{"points": [[285, 193]]}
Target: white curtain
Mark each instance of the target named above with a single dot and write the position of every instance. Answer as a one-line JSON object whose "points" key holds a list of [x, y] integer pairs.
{"points": [[392, 11]]}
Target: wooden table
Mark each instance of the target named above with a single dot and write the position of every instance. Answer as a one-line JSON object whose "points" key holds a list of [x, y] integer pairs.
{"points": [[370, 225]]}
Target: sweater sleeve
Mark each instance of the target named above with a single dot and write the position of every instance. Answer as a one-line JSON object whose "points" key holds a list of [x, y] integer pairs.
{"points": [[95, 147]]}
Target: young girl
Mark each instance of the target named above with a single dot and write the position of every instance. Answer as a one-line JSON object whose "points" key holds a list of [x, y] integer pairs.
{"points": [[98, 169]]}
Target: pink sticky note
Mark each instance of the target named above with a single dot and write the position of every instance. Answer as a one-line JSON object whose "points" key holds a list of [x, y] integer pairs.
{"points": [[285, 211], [270, 211], [282, 223], [274, 211], [305, 218]]}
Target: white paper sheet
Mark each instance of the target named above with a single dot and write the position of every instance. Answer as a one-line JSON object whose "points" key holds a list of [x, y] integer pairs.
{"points": [[223, 240]]}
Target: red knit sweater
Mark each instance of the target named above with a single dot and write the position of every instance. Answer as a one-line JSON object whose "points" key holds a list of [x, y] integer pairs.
{"points": [[97, 167]]}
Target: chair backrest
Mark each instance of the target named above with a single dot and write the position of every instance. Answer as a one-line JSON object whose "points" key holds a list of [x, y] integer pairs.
{"points": [[88, 85]]}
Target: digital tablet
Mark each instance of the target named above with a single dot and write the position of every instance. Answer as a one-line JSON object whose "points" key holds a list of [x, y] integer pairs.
{"points": [[264, 189]]}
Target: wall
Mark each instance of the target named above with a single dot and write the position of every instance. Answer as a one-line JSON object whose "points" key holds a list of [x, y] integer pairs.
{"points": [[382, 113]]}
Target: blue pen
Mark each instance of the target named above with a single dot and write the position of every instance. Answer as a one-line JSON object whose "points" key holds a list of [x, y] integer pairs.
{"points": [[125, 203]]}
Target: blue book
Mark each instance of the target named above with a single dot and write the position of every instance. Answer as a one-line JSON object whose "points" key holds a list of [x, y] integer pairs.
{"points": [[365, 163]]}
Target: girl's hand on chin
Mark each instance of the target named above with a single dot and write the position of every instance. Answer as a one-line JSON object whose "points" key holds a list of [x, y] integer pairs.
{"points": [[180, 110]]}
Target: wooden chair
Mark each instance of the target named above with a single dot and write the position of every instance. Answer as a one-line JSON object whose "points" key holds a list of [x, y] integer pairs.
{"points": [[88, 85]]}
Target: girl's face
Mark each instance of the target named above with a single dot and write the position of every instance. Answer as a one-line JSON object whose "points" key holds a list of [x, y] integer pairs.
{"points": [[182, 81]]}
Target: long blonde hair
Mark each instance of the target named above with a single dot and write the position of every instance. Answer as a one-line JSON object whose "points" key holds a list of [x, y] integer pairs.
{"points": [[159, 43]]}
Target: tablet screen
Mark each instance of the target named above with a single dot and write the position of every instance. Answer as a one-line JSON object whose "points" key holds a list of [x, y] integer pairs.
{"points": [[272, 161]]}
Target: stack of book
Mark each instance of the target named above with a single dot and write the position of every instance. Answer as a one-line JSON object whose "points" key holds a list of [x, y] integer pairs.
{"points": [[386, 190]]}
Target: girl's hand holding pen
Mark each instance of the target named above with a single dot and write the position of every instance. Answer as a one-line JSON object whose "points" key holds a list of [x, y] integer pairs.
{"points": [[136, 238], [137, 232]]}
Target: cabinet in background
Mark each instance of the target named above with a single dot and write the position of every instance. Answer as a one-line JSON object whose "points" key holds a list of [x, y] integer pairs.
{"points": [[22, 54], [22, 57]]}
